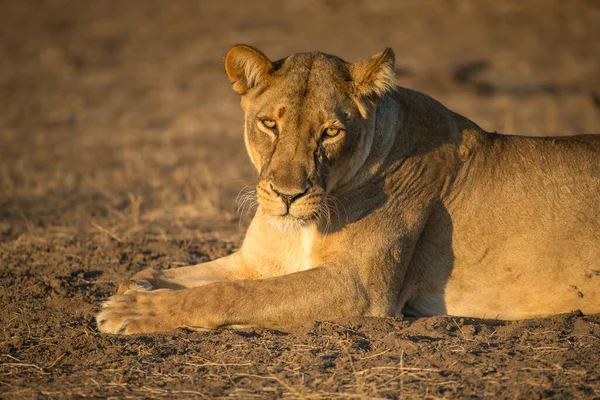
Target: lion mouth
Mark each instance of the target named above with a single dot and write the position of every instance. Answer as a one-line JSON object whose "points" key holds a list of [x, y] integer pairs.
{"points": [[295, 211], [291, 217]]}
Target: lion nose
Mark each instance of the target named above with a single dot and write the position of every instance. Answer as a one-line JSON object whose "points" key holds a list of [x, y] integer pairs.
{"points": [[287, 197]]}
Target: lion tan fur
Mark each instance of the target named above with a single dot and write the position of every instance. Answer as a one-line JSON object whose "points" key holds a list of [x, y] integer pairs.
{"points": [[377, 200]]}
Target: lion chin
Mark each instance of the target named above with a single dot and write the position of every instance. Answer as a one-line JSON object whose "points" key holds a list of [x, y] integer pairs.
{"points": [[292, 222]]}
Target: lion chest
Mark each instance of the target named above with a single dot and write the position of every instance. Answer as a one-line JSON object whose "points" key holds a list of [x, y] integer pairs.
{"points": [[307, 245], [286, 254]]}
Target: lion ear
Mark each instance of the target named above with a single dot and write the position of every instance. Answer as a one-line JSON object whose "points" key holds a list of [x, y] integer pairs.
{"points": [[246, 66], [374, 76]]}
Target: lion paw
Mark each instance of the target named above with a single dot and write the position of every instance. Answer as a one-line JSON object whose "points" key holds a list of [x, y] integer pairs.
{"points": [[135, 312]]}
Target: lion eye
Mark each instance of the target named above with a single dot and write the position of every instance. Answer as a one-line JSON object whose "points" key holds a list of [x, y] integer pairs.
{"points": [[331, 132], [269, 123]]}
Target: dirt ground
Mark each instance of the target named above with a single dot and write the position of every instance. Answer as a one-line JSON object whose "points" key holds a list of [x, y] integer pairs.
{"points": [[121, 148]]}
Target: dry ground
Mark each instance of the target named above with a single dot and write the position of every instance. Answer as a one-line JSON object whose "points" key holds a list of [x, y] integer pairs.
{"points": [[121, 149]]}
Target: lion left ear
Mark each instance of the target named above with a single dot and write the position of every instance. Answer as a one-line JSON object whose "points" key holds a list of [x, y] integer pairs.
{"points": [[374, 76], [246, 66]]}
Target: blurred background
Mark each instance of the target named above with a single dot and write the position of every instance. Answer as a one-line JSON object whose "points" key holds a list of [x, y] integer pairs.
{"points": [[116, 116]]}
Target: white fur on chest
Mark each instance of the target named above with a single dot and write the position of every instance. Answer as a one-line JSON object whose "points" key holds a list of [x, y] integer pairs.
{"points": [[286, 252], [307, 243]]}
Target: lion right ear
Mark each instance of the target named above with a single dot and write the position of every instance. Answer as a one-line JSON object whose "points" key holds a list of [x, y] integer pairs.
{"points": [[246, 66]]}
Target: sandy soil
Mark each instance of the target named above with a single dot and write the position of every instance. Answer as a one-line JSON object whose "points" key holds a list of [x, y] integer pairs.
{"points": [[121, 149]]}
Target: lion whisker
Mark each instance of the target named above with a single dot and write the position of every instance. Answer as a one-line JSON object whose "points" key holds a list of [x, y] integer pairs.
{"points": [[247, 202]]}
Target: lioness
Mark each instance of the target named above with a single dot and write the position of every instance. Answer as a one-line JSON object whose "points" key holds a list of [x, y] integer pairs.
{"points": [[377, 200]]}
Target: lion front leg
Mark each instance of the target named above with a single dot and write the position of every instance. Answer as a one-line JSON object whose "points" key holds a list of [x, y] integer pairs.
{"points": [[317, 294], [222, 269]]}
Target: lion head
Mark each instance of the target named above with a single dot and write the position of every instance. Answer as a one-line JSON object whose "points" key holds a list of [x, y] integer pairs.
{"points": [[308, 125]]}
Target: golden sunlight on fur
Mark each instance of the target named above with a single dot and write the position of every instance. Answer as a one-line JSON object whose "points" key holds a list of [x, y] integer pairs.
{"points": [[376, 200]]}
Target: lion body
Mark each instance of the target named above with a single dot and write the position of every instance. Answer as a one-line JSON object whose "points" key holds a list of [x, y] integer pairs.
{"points": [[525, 236], [397, 206], [515, 236]]}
